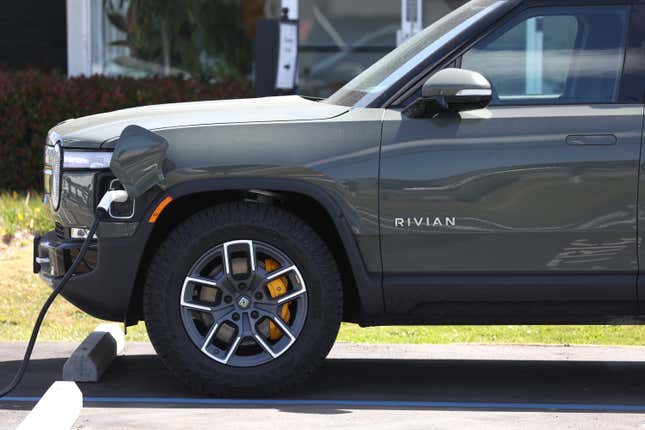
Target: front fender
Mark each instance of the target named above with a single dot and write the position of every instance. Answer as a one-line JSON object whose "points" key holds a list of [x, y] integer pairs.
{"points": [[334, 161], [368, 282]]}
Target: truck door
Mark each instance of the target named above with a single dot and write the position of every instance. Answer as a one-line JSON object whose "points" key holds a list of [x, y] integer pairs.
{"points": [[635, 63], [531, 200]]}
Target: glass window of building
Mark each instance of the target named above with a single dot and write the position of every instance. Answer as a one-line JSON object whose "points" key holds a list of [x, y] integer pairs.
{"points": [[213, 39], [339, 39], [205, 40]]}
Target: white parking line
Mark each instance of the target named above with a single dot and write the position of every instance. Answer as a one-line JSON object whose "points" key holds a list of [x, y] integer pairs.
{"points": [[57, 409]]}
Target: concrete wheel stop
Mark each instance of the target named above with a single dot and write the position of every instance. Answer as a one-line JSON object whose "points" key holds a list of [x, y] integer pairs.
{"points": [[91, 359]]}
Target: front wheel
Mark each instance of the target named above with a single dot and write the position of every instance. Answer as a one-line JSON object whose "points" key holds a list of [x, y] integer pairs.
{"points": [[243, 299]]}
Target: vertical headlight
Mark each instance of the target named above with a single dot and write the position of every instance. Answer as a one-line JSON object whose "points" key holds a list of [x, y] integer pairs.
{"points": [[53, 169], [57, 163], [58, 160]]}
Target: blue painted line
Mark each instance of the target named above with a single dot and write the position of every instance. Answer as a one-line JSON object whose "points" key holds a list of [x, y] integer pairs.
{"points": [[355, 403]]}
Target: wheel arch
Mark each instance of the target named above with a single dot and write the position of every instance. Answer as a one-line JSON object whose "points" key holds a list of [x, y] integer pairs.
{"points": [[363, 291]]}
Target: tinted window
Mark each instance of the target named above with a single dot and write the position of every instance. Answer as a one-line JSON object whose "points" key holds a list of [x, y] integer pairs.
{"points": [[555, 55], [380, 76]]}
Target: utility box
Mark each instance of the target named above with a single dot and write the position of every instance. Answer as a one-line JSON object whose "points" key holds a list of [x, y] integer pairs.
{"points": [[276, 56]]}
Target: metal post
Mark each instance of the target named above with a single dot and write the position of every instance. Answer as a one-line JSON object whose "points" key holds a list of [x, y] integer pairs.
{"points": [[411, 20]]}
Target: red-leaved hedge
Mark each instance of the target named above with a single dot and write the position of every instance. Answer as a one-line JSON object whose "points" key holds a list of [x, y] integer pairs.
{"points": [[31, 102]]}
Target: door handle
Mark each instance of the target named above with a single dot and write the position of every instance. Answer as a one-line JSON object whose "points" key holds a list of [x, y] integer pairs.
{"points": [[592, 139]]}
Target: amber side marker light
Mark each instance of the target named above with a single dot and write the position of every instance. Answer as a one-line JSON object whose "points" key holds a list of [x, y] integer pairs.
{"points": [[160, 207]]}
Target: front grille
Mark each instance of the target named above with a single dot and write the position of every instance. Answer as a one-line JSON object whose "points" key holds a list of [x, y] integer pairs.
{"points": [[60, 231]]}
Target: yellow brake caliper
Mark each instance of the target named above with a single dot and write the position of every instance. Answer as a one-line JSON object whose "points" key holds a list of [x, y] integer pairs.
{"points": [[277, 288]]}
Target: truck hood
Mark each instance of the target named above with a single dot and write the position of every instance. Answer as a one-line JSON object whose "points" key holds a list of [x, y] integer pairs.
{"points": [[102, 129]]}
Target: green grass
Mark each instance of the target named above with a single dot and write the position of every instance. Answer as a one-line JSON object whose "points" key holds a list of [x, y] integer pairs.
{"points": [[22, 212], [23, 293], [522, 334]]}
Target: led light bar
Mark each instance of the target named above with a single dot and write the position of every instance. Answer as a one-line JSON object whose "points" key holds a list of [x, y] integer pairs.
{"points": [[86, 160]]}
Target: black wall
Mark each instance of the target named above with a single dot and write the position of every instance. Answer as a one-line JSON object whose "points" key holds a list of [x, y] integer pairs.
{"points": [[33, 33]]}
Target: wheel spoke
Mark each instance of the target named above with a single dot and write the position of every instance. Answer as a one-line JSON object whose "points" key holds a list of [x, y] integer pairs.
{"points": [[250, 251], [268, 308], [186, 302], [279, 272], [228, 353], [283, 271], [221, 313], [270, 348], [227, 259], [283, 327], [261, 340], [195, 306], [291, 296], [265, 346], [232, 349], [200, 280], [209, 336]]}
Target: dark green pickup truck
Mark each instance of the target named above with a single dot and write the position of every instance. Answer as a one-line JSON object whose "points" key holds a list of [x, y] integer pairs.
{"points": [[487, 171]]}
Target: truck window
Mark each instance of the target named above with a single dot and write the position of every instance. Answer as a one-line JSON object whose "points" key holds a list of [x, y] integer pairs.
{"points": [[554, 55]]}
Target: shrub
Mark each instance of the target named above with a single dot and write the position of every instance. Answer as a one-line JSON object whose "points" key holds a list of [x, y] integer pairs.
{"points": [[31, 102]]}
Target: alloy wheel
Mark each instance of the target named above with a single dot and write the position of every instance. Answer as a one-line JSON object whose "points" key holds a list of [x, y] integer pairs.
{"points": [[243, 303]]}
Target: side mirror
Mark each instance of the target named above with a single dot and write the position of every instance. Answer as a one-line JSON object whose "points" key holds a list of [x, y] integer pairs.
{"points": [[456, 90]]}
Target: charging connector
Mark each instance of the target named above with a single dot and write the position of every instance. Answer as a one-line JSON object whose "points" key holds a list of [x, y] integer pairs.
{"points": [[110, 197]]}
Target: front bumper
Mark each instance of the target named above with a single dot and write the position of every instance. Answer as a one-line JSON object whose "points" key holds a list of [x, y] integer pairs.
{"points": [[53, 256], [104, 282]]}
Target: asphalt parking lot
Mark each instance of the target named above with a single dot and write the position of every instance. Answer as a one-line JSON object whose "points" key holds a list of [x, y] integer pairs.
{"points": [[366, 386]]}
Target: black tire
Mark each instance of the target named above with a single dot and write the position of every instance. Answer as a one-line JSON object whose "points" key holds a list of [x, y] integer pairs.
{"points": [[242, 221]]}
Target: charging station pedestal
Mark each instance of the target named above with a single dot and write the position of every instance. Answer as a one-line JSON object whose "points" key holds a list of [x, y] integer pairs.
{"points": [[276, 56]]}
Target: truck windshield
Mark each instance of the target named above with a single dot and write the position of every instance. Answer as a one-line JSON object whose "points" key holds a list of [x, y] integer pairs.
{"points": [[367, 86]]}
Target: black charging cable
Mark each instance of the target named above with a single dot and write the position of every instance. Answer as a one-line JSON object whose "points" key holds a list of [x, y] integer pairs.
{"points": [[99, 214]]}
